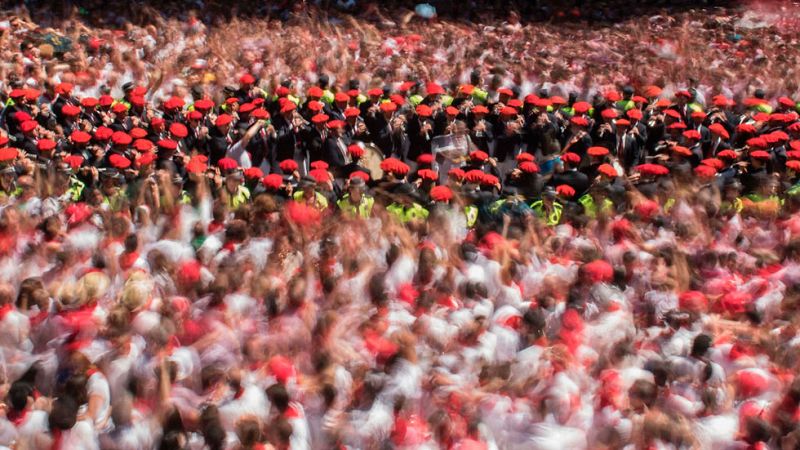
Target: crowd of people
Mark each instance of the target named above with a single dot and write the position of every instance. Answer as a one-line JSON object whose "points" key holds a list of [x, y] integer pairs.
{"points": [[323, 234]]}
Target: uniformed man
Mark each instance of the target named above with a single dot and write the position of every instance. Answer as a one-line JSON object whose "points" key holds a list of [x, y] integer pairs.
{"points": [[356, 203], [405, 209]]}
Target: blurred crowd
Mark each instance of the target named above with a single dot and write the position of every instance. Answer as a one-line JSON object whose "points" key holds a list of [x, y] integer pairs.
{"points": [[396, 230]]}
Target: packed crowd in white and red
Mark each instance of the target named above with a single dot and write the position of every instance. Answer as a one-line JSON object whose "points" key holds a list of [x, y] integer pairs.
{"points": [[353, 226]]}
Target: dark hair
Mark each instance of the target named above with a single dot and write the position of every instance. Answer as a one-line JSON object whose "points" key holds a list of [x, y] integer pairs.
{"points": [[131, 242], [18, 395], [701, 345], [64, 413], [278, 396]]}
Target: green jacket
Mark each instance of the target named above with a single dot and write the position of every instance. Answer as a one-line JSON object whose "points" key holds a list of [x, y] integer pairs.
{"points": [[551, 219], [363, 209], [404, 215]]}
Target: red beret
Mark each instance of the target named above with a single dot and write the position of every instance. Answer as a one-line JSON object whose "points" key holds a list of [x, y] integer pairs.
{"points": [[713, 162], [359, 174], [466, 89], [691, 134], [138, 91], [608, 170], [253, 173], [480, 109], [119, 108], [8, 154], [451, 111], [793, 165], [528, 167], [194, 115], [478, 155], [681, 150], [662, 103], [247, 79], [143, 145], [474, 176], [45, 145], [394, 166], [137, 100], [335, 124], [456, 173], [145, 159], [353, 93], [515, 103], [508, 111], [89, 102], [791, 154], [597, 151], [623, 123], [425, 158], [64, 88], [119, 162], [375, 92], [288, 165], [609, 113], [571, 158], [672, 113], [638, 99], [17, 93], [103, 133], [28, 126], [121, 138], [581, 107], [315, 92], [319, 165], [727, 154], [22, 116], [246, 108], [634, 114], [558, 100], [138, 133], [203, 104], [174, 103], [757, 142], [704, 171], [227, 164], [282, 91], [718, 129], [355, 150], [105, 100], [652, 169], [351, 112], [70, 110], [746, 128], [699, 115], [683, 93], [612, 96], [272, 181], [761, 117], [524, 156], [565, 190], [441, 194], [579, 121], [260, 114], [321, 175], [388, 107], [676, 126], [531, 99], [80, 137], [428, 174], [424, 111], [178, 130], [505, 91], [760, 154], [223, 119], [433, 89], [320, 118], [74, 161], [167, 144], [341, 97]]}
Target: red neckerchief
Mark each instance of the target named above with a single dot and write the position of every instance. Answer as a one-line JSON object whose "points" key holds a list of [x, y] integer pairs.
{"points": [[5, 309], [17, 417], [126, 260], [38, 318], [58, 436]]}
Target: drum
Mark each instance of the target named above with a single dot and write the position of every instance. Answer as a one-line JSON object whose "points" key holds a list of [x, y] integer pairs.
{"points": [[372, 160]]}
